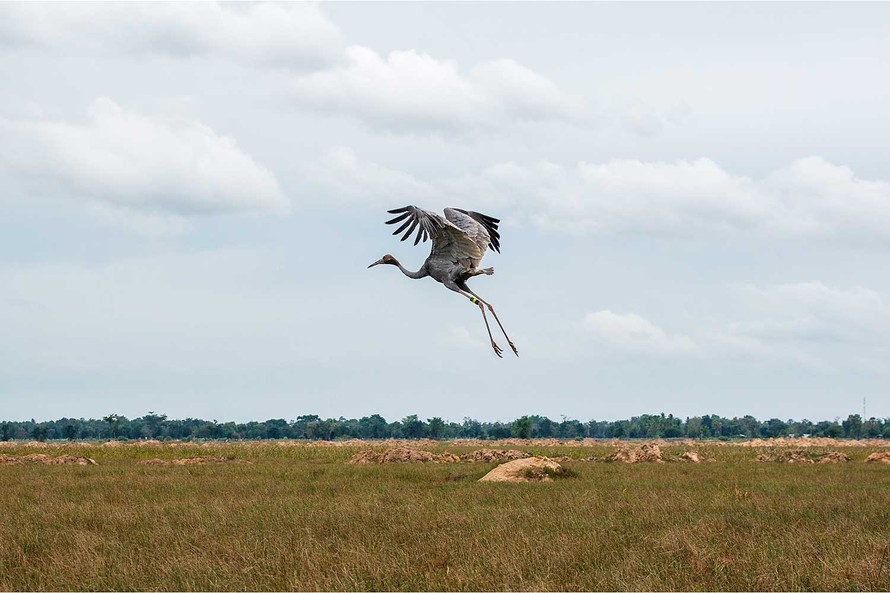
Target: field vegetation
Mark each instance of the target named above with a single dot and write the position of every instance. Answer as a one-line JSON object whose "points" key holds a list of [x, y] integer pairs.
{"points": [[298, 517]]}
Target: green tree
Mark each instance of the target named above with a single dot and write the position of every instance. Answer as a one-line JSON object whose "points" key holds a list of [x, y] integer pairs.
{"points": [[471, 428], [853, 426], [325, 430], [376, 427], [277, 428], [40, 432], [871, 429], [545, 427], [412, 428], [834, 431], [114, 423], [155, 423], [618, 429], [522, 428], [772, 428], [70, 431], [436, 428]]}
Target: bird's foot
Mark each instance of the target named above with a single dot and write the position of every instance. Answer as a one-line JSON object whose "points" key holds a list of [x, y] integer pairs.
{"points": [[497, 349], [512, 347]]}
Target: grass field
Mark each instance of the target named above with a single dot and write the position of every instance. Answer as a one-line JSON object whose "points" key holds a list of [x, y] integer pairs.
{"points": [[300, 518]]}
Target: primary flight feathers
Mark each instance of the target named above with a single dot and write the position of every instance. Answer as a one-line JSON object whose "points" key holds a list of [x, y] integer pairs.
{"points": [[429, 224]]}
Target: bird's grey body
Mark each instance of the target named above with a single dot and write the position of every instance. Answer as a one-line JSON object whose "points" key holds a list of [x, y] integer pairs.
{"points": [[460, 240]]}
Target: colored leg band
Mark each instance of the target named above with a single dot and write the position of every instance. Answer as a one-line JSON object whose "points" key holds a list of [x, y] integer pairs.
{"points": [[474, 300]]}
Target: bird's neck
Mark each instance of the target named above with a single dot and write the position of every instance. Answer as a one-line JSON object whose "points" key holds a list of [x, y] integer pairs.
{"points": [[415, 275]]}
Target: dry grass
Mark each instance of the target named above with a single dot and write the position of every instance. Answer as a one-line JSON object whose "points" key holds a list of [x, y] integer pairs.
{"points": [[300, 518]]}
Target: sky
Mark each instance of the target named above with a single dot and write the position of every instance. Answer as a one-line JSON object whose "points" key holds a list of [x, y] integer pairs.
{"points": [[694, 203]]}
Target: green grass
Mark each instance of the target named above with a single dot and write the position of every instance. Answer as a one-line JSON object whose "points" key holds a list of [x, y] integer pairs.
{"points": [[301, 518]]}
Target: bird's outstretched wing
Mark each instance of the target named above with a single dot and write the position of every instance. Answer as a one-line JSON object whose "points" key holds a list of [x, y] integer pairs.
{"points": [[448, 238], [483, 229], [430, 224]]}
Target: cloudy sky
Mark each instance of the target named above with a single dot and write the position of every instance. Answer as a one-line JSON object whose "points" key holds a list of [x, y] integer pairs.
{"points": [[695, 205]]}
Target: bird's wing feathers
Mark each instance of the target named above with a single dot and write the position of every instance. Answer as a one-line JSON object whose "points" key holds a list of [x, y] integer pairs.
{"points": [[430, 224], [461, 235], [481, 228]]}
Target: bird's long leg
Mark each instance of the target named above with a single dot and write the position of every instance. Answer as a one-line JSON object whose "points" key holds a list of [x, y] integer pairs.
{"points": [[490, 308], [477, 301], [497, 349]]}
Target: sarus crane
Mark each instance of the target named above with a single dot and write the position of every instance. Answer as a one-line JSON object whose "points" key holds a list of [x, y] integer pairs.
{"points": [[459, 242]]}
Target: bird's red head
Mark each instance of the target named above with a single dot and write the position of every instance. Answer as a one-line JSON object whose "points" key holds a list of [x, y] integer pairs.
{"points": [[386, 259]]}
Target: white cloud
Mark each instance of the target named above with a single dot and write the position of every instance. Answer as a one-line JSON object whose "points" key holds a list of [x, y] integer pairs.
{"points": [[523, 93], [644, 120], [830, 200], [412, 91], [632, 333], [810, 198], [151, 224], [142, 163], [814, 312], [621, 195], [808, 324], [348, 179], [293, 35]]}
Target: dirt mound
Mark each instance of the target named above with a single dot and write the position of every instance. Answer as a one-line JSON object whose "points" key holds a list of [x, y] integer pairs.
{"points": [[403, 455], [802, 442], [45, 459], [493, 455], [645, 453], [192, 461], [529, 469], [802, 456], [880, 457], [366, 456], [791, 456], [690, 456]]}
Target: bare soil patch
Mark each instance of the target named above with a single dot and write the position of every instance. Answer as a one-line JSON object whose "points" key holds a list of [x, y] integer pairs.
{"points": [[802, 456], [493, 455], [645, 453], [530, 469], [402, 455], [879, 457], [804, 442], [44, 459]]}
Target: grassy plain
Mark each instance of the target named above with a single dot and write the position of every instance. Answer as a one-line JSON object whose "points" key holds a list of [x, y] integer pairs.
{"points": [[300, 518]]}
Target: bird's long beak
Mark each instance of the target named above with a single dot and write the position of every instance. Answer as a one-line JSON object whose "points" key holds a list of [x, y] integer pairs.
{"points": [[379, 261]]}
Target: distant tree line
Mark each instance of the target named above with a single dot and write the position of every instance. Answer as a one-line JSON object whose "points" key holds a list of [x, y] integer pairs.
{"points": [[311, 427]]}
